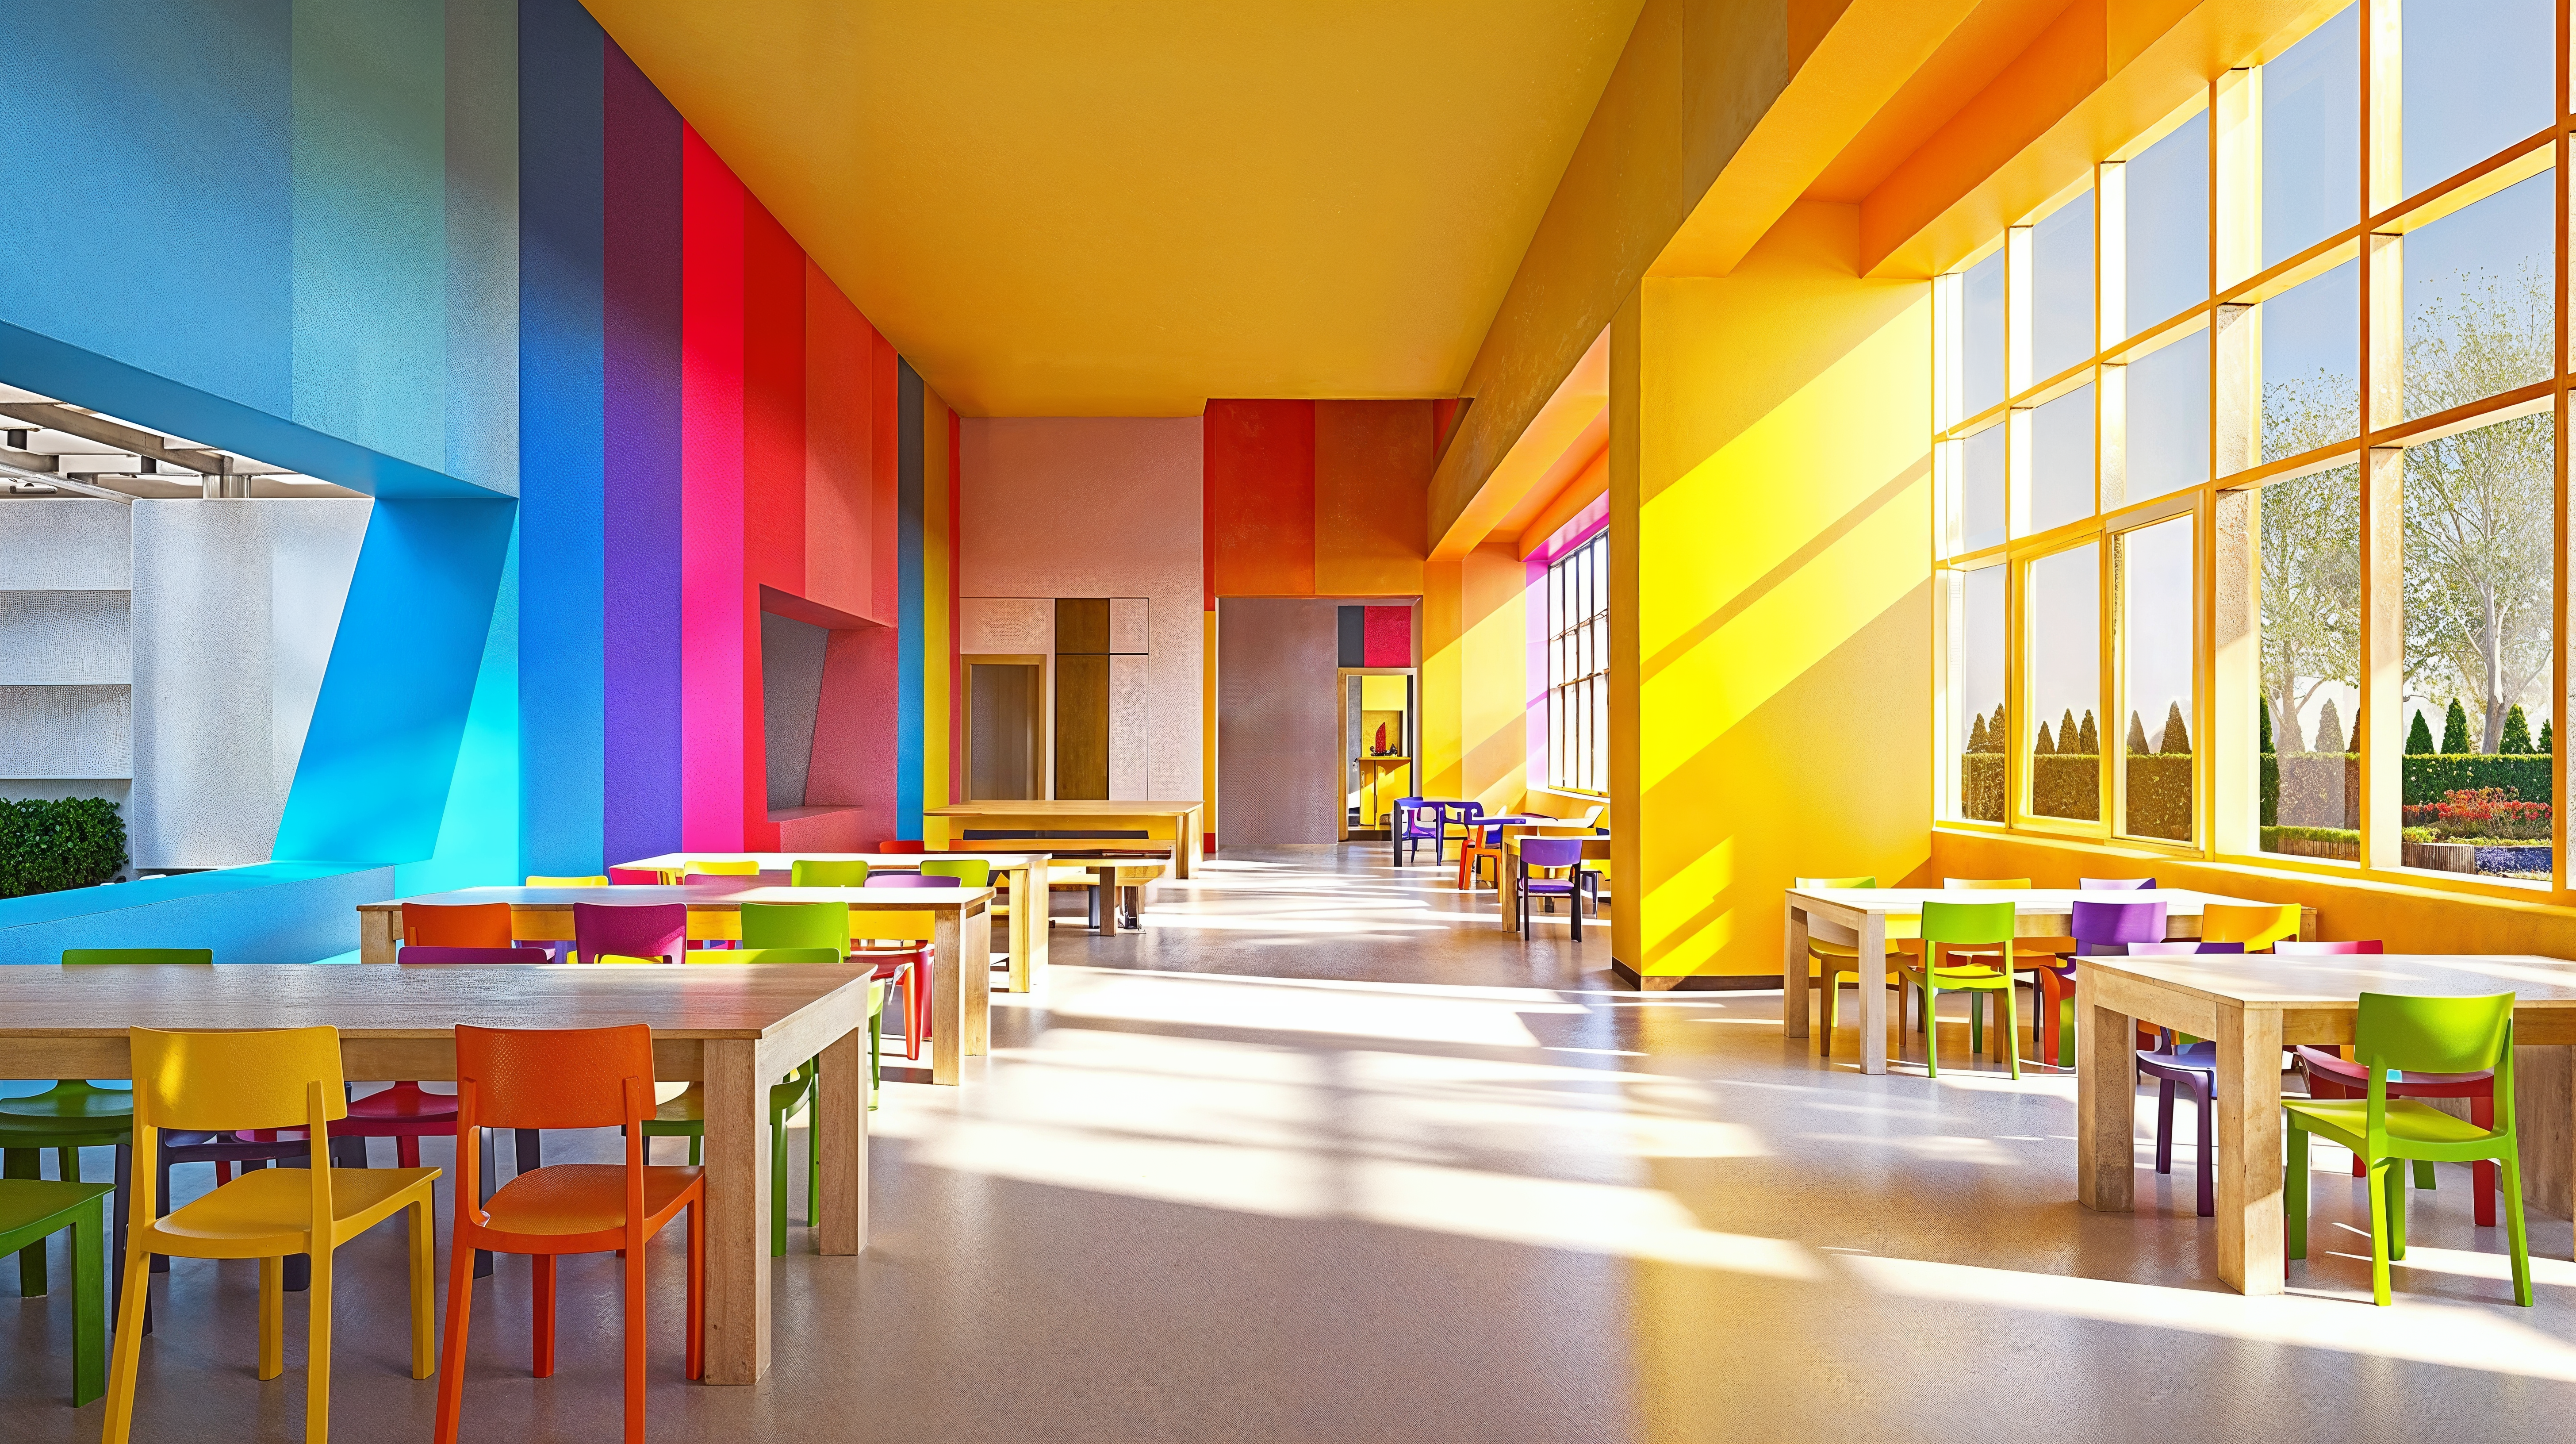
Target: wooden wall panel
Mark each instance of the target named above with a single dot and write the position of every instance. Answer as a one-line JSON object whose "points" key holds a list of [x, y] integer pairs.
{"points": [[1082, 725]]}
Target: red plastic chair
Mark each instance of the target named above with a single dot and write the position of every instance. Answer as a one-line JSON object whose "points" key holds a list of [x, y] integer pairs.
{"points": [[466, 956], [405, 1112], [903, 845], [565, 1078], [2290, 948]]}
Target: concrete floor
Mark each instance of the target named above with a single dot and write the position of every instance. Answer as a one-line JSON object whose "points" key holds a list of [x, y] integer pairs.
{"points": [[1325, 1155]]}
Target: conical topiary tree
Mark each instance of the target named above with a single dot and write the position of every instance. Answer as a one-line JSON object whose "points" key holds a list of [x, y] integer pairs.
{"points": [[2138, 737], [2455, 730], [2262, 725], [2043, 747], [2517, 732], [2066, 735], [2088, 740], [2419, 738], [2177, 737], [2329, 728], [1977, 733], [1995, 733], [2548, 742]]}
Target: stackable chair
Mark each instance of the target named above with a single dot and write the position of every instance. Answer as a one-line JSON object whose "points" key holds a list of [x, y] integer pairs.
{"points": [[915, 879], [2398, 1034], [1551, 855], [2331, 1075], [2099, 927], [277, 1078], [2115, 884], [897, 943], [969, 871], [1487, 842], [2174, 1064], [654, 932], [565, 1078], [2258, 926], [1827, 962], [1977, 1001], [1412, 822], [814, 872], [34, 1210], [903, 844], [1987, 930]]}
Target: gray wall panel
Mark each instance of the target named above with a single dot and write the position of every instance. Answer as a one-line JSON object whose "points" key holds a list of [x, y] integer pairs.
{"points": [[63, 543], [64, 637], [66, 732], [791, 688]]}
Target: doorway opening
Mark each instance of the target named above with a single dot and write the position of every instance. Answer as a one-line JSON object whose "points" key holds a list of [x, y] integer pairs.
{"points": [[1005, 729]]}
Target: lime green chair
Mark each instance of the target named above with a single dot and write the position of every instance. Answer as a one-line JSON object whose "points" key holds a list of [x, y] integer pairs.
{"points": [[815, 872], [32, 1211], [74, 1113], [1987, 927], [969, 871], [2400, 1034]]}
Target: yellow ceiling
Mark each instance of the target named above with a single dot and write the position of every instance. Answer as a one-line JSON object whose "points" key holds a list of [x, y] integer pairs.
{"points": [[1127, 207]]}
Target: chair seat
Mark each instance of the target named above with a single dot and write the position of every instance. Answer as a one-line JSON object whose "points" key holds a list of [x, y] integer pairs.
{"points": [[2344, 1070], [407, 1105], [691, 1107], [2190, 1058], [42, 1205], [1547, 889], [92, 1107], [274, 1206], [2347, 1121], [582, 1197]]}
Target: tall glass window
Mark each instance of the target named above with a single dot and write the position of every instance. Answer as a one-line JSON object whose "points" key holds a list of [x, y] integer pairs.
{"points": [[1981, 496], [2168, 228], [2479, 298], [1578, 668], [2311, 355], [2312, 139], [2061, 288], [2156, 636], [2310, 588], [2065, 682], [1978, 720], [1984, 352], [2169, 419], [2478, 77], [2061, 460]]}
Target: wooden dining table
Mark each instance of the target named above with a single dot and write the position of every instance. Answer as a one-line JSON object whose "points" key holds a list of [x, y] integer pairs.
{"points": [[734, 1031], [2251, 1005], [961, 970], [1179, 823], [1596, 848], [1025, 874], [1868, 917]]}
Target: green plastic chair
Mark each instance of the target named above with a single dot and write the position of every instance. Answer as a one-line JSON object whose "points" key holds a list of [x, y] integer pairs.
{"points": [[74, 1113], [31, 1212], [2400, 1034], [1980, 925], [813, 872], [969, 871]]}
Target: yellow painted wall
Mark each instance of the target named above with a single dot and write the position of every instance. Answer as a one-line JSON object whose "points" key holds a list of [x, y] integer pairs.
{"points": [[1771, 622], [1475, 649]]}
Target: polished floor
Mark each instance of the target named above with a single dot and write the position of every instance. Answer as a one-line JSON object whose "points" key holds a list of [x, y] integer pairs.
{"points": [[1324, 1154]]}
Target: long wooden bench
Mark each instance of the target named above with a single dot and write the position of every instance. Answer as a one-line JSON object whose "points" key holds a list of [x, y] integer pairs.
{"points": [[1113, 868]]}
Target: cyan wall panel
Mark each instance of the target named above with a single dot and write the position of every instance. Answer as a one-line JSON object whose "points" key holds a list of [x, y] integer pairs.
{"points": [[482, 206], [272, 913], [909, 678], [478, 834]]}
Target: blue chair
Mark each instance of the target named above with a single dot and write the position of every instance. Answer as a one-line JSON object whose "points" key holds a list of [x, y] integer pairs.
{"points": [[1549, 854]]}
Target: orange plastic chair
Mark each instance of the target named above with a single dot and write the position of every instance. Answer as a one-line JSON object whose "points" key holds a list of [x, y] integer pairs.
{"points": [[280, 1078], [456, 925], [564, 1078], [2257, 927]]}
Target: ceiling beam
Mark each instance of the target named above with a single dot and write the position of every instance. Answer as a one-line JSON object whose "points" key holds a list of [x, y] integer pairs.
{"points": [[54, 416]]}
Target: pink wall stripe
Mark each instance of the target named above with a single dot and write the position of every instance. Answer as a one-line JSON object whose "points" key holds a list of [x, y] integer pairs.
{"points": [[714, 596]]}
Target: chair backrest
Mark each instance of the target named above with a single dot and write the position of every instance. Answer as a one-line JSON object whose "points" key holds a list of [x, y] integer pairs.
{"points": [[733, 881], [746, 867], [449, 925], [1807, 884], [2183, 948], [1964, 922], [2113, 884], [554, 1077], [635, 877], [473, 955], [2291, 948], [906, 879], [969, 871], [2257, 927], [1982, 884], [2438, 1035], [1551, 852], [110, 957], [2102, 923], [903, 844], [767, 955], [534, 881], [796, 925], [254, 1078], [647, 931], [817, 872]]}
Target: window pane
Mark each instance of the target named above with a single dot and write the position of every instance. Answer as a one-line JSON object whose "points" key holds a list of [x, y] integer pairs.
{"points": [[1977, 694], [2065, 612], [2156, 615], [2478, 77], [1983, 353], [2061, 288], [2478, 298], [2168, 225], [2061, 471], [2311, 661], [2312, 138], [2479, 578], [2311, 364], [2168, 421], [1982, 488]]}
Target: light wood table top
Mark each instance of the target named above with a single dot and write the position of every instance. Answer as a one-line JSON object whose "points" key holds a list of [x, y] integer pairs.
{"points": [[707, 897], [1023, 871], [735, 1030], [2250, 1005], [1182, 821]]}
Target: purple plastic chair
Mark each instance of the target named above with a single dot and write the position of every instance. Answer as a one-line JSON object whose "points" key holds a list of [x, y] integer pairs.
{"points": [[2113, 884], [474, 955], [647, 930], [912, 879], [2187, 1065], [1551, 853], [2099, 928]]}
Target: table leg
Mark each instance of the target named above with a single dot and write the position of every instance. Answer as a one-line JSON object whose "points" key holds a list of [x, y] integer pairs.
{"points": [[1104, 901], [1028, 928], [376, 937], [975, 966], [842, 1114], [2250, 1226], [1873, 992], [1185, 856], [2544, 1101], [737, 1221], [2106, 1108], [947, 1000], [1507, 887], [1793, 973]]}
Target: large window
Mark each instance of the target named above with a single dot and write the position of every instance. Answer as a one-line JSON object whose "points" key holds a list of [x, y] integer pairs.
{"points": [[1578, 668], [2249, 466]]}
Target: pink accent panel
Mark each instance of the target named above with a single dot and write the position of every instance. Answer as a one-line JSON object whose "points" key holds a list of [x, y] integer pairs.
{"points": [[715, 593], [1534, 671], [854, 757], [1388, 638], [838, 830]]}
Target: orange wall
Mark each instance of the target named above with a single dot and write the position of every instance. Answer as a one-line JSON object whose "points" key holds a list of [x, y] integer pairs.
{"points": [[1316, 498]]}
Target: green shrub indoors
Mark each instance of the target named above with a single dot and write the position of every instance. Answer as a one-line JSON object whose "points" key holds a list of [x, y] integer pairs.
{"points": [[50, 844]]}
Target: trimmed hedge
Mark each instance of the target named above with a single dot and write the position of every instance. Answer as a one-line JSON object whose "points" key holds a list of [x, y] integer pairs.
{"points": [[2527, 773], [51, 844], [1981, 786], [2323, 789], [2066, 784], [2159, 795]]}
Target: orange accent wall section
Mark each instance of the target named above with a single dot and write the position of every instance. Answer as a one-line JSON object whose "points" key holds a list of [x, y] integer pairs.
{"points": [[1260, 480], [1372, 463], [840, 491]]}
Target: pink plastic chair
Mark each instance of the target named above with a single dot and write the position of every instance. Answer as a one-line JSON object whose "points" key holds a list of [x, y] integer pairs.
{"points": [[474, 955], [2290, 949], [651, 930], [911, 879]]}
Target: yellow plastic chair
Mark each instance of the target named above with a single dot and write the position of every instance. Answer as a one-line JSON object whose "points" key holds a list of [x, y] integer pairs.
{"points": [[534, 881], [2257, 927], [281, 1078], [673, 876]]}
